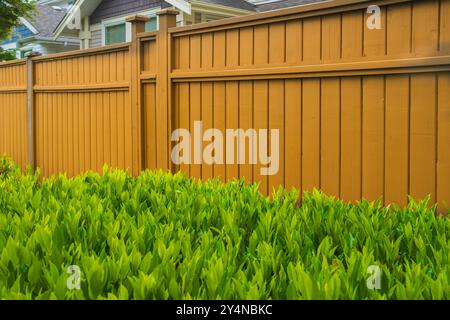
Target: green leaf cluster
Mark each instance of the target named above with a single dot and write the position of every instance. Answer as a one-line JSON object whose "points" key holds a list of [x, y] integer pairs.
{"points": [[11, 11], [163, 236]]}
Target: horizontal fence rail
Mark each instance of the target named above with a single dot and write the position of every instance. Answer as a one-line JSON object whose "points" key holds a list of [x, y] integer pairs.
{"points": [[360, 112]]}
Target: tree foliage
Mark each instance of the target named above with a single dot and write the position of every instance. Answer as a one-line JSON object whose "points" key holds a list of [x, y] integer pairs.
{"points": [[6, 55], [11, 11]]}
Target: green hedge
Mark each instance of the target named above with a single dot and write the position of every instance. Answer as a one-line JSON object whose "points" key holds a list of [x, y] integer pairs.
{"points": [[162, 236]]}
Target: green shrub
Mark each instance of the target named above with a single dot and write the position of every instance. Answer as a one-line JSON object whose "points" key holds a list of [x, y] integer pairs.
{"points": [[162, 236]]}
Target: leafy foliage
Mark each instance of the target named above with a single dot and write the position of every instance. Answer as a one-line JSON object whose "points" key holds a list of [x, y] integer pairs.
{"points": [[163, 236], [6, 55], [11, 11]]}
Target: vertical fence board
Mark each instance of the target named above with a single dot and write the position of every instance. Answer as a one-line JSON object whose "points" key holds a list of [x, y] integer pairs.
{"points": [[397, 139], [352, 35], [331, 38], [330, 136], [375, 39], [293, 127], [150, 126], [232, 123], [425, 37], [311, 134], [277, 43], [195, 115], [373, 138], [351, 138], [246, 123], [246, 47], [184, 110], [232, 48], [261, 122], [207, 51], [294, 42], [423, 136], [444, 33], [219, 110], [443, 160], [261, 35], [399, 28], [208, 123], [219, 49], [312, 40], [277, 122]]}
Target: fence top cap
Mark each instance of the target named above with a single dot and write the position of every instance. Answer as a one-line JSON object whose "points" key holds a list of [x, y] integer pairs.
{"points": [[136, 18], [33, 54], [168, 12]]}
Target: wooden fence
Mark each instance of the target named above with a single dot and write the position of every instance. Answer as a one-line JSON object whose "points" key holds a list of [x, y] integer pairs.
{"points": [[362, 113]]}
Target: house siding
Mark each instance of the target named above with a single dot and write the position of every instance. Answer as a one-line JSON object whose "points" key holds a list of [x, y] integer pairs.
{"points": [[54, 48], [96, 39], [47, 48], [114, 8]]}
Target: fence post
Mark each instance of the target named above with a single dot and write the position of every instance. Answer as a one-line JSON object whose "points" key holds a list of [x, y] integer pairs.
{"points": [[165, 116], [30, 110], [137, 26]]}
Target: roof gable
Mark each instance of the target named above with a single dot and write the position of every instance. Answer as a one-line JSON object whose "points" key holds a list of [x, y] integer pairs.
{"points": [[46, 19], [21, 31], [282, 4], [114, 8], [238, 4]]}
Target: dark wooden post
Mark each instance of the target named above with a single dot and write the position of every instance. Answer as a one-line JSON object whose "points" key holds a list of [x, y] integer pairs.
{"points": [[165, 116], [30, 110], [137, 26]]}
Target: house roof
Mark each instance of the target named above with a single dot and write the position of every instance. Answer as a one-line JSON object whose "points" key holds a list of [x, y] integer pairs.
{"points": [[46, 19], [239, 4], [40, 27], [106, 9], [102, 9], [284, 4]]}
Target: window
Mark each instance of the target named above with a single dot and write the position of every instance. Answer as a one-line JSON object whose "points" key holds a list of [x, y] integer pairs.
{"points": [[198, 17], [24, 53], [115, 34], [117, 30], [152, 24]]}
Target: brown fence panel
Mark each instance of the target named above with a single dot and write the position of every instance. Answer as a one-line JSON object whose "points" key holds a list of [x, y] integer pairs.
{"points": [[82, 111], [13, 111], [362, 113], [321, 33]]}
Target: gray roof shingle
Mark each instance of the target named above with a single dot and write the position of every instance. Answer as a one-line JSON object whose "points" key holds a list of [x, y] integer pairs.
{"points": [[46, 19], [112, 8], [239, 4], [284, 4]]}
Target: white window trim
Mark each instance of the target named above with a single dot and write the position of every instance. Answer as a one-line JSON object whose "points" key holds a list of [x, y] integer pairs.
{"points": [[27, 24], [121, 20], [115, 22]]}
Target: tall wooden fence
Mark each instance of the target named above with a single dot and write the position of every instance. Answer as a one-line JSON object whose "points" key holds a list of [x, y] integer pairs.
{"points": [[362, 113]]}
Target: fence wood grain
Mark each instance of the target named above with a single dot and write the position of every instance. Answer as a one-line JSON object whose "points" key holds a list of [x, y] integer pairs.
{"points": [[13, 111]]}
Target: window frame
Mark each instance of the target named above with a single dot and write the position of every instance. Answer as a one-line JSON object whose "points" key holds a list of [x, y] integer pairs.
{"points": [[105, 33], [122, 20]]}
